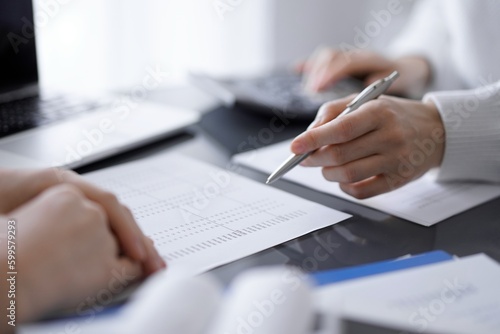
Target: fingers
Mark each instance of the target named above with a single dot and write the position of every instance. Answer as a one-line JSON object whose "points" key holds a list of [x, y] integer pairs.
{"points": [[93, 219], [327, 66], [301, 67], [123, 224], [130, 271], [153, 262], [355, 171], [324, 68], [120, 220], [339, 130], [373, 186], [340, 154], [32, 183], [326, 113]]}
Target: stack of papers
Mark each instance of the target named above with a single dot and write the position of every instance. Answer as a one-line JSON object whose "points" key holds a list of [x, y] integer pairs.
{"points": [[457, 296], [423, 201]]}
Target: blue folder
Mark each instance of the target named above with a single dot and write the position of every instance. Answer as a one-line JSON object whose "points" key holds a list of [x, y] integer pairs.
{"points": [[344, 274]]}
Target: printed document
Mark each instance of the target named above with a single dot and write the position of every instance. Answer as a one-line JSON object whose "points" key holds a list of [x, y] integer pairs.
{"points": [[201, 216], [423, 201]]}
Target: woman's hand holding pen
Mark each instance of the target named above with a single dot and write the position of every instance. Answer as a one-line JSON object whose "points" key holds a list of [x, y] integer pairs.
{"points": [[382, 146]]}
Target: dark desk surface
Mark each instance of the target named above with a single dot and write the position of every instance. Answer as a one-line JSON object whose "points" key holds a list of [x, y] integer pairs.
{"points": [[366, 237]]}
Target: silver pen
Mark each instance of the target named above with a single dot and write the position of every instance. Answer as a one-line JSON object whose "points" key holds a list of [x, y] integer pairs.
{"points": [[371, 92]]}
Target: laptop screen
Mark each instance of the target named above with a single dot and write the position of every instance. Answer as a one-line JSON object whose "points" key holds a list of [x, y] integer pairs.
{"points": [[18, 67]]}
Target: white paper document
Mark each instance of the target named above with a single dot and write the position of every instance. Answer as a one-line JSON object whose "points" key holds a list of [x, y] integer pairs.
{"points": [[423, 201], [461, 296], [200, 216]]}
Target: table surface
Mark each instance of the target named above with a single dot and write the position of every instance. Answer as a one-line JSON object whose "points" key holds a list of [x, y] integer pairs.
{"points": [[368, 236]]}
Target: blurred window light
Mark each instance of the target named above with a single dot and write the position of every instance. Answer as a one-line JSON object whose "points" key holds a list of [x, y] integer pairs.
{"points": [[109, 44]]}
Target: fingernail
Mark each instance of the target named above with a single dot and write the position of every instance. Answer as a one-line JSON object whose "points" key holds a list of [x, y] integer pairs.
{"points": [[160, 263], [298, 148]]}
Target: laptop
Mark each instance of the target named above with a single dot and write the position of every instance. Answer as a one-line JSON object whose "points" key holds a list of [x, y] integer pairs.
{"points": [[281, 90], [38, 129]]}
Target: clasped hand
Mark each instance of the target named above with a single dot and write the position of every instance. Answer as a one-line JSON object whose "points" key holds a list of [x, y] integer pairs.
{"points": [[72, 238]]}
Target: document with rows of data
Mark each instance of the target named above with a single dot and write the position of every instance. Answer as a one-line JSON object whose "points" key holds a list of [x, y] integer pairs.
{"points": [[423, 201], [201, 216]]}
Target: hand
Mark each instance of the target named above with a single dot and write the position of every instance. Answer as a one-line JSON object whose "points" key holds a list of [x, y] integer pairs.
{"points": [[66, 252], [382, 146], [18, 187], [326, 66]]}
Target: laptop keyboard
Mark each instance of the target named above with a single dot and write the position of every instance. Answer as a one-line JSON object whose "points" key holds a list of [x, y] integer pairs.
{"points": [[31, 112]]}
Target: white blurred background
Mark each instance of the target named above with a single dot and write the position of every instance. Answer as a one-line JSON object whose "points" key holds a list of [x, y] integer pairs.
{"points": [[108, 44]]}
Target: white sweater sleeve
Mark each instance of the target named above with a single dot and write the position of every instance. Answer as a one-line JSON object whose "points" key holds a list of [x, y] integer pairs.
{"points": [[472, 124], [427, 34]]}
